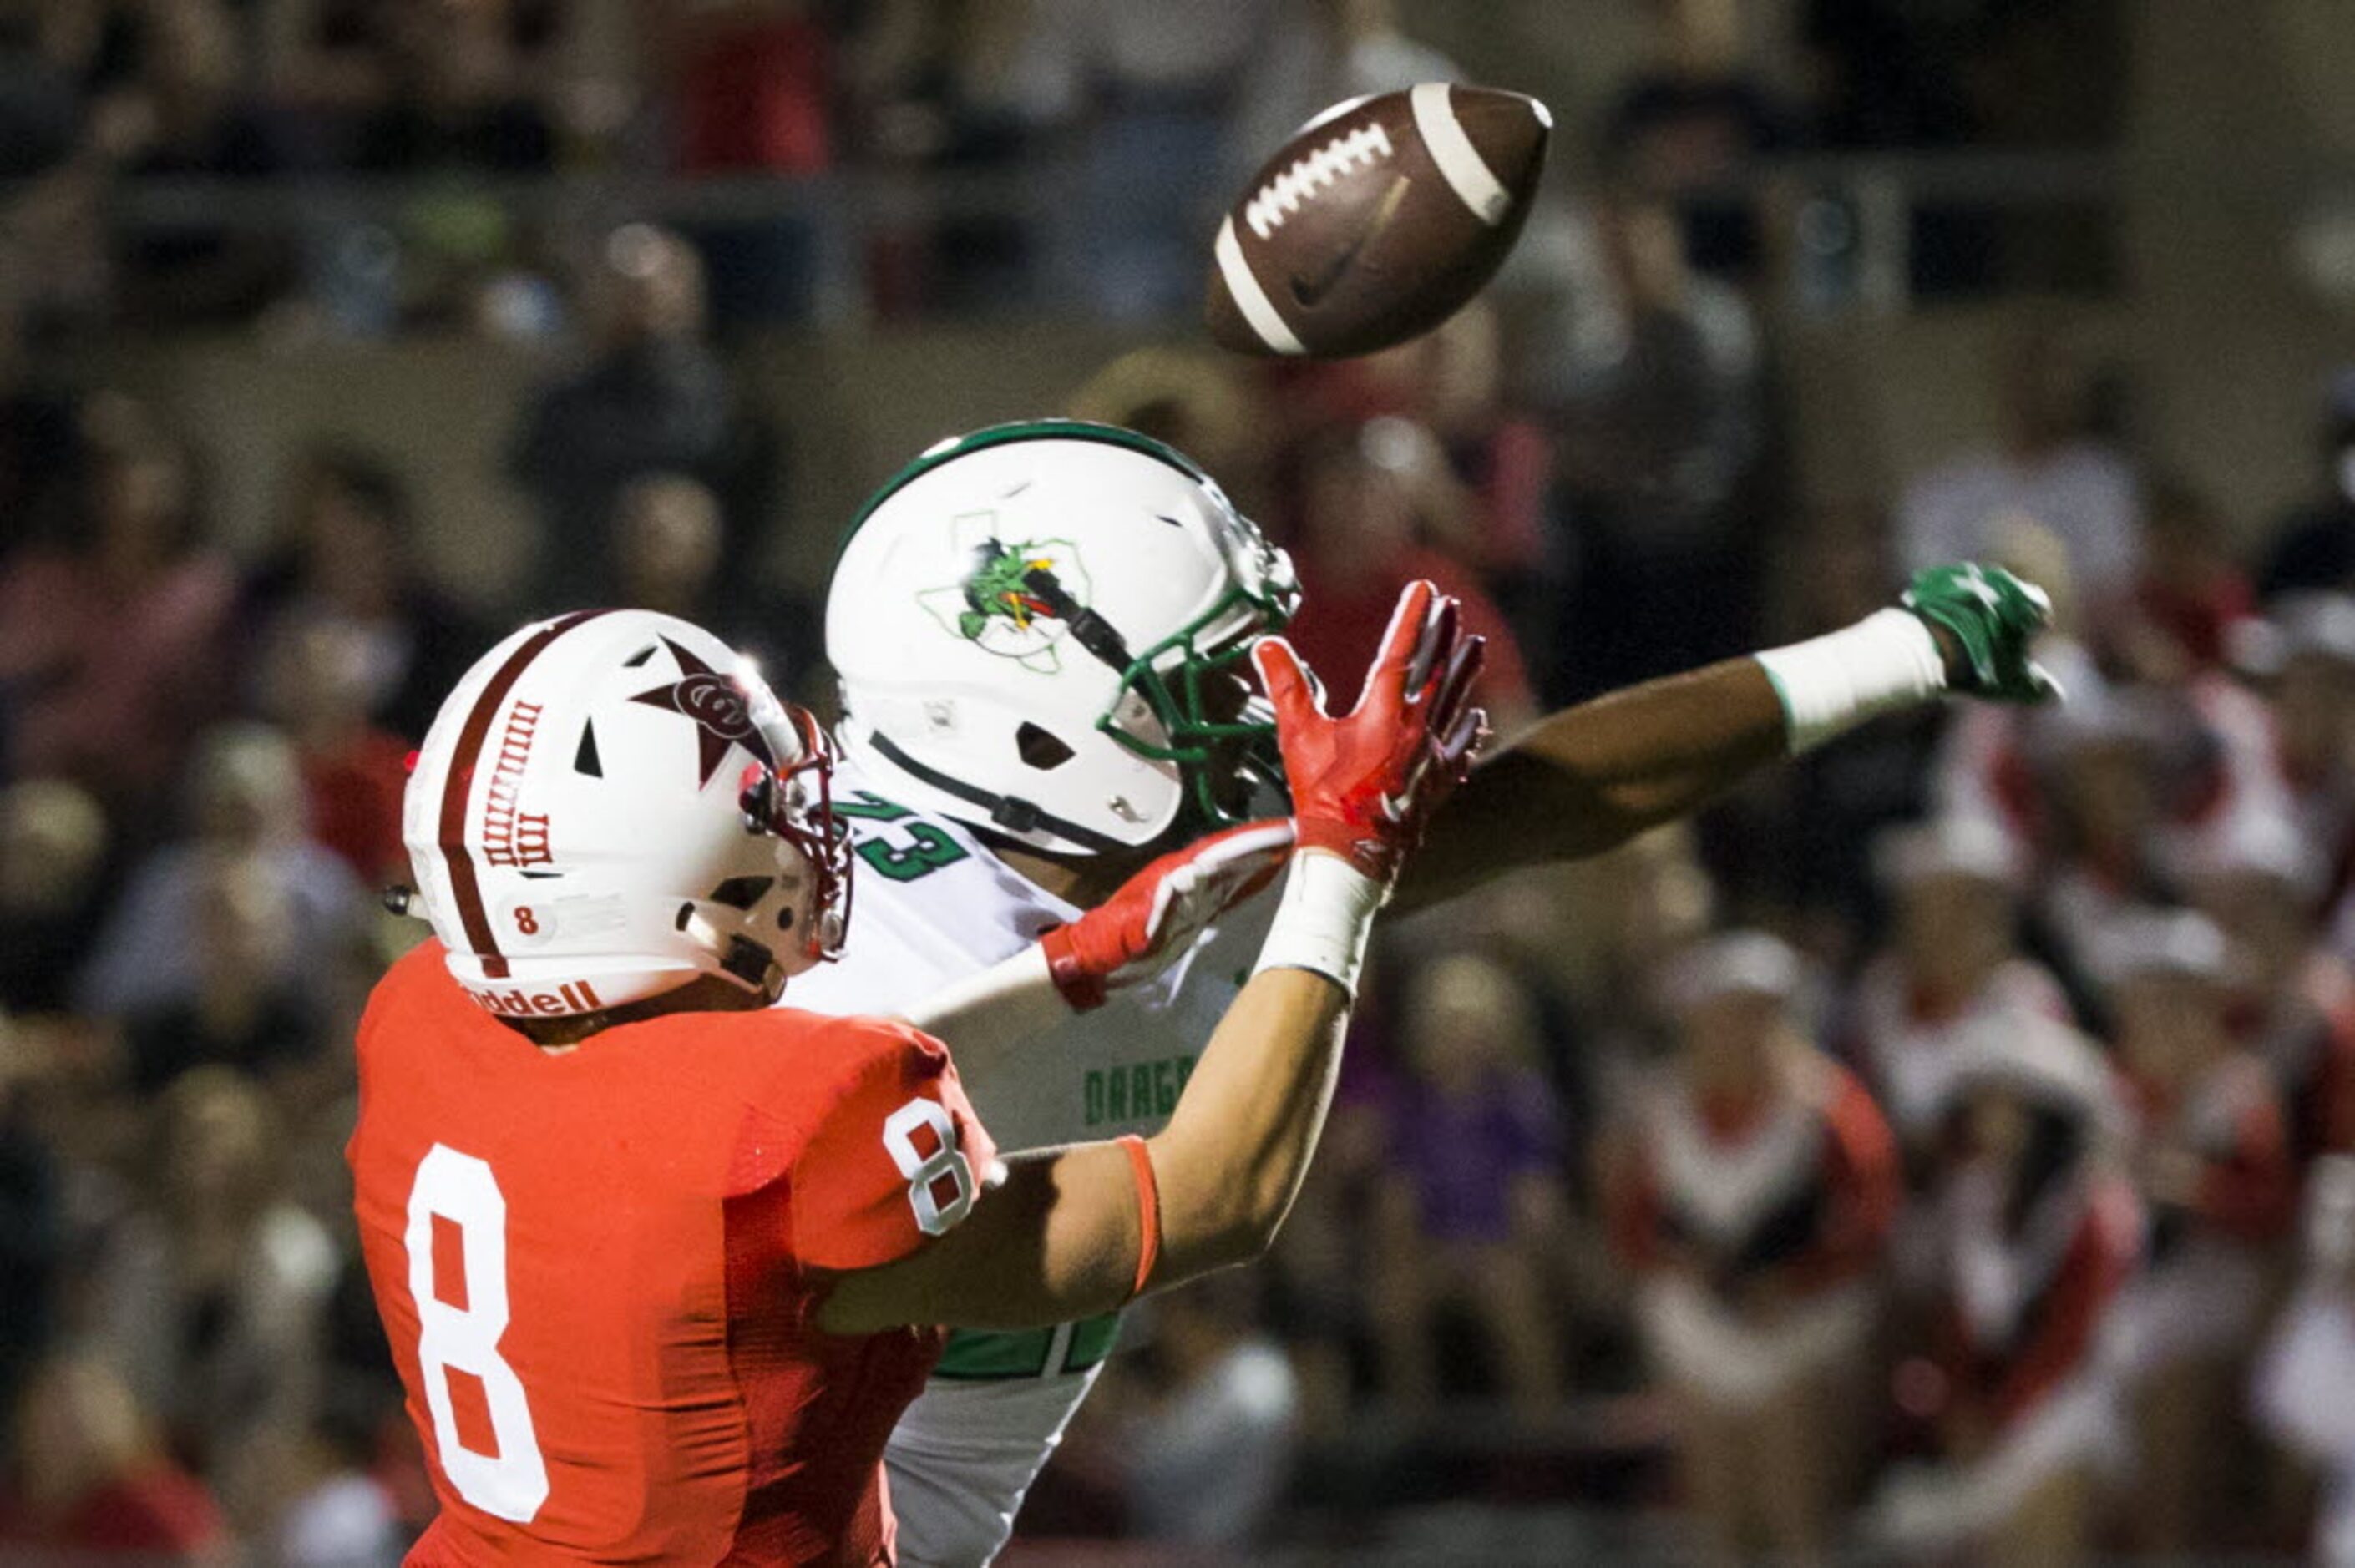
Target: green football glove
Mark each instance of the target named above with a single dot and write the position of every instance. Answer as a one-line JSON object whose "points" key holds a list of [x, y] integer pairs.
{"points": [[1990, 616]]}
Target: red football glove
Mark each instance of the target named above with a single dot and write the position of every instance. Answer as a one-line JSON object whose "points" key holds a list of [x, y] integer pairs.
{"points": [[1162, 911], [1363, 784]]}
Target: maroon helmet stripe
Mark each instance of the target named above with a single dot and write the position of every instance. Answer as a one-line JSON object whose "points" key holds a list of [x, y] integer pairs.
{"points": [[464, 885]]}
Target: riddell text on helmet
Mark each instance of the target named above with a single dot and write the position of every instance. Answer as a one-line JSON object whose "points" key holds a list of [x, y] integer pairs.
{"points": [[574, 996]]}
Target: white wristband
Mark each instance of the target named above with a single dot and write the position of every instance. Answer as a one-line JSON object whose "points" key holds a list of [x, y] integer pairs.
{"points": [[1886, 662], [1321, 925]]}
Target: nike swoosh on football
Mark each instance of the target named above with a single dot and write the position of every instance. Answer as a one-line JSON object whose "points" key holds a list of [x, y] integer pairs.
{"points": [[1308, 292]]}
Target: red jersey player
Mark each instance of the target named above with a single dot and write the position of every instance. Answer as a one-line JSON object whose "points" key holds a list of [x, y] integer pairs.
{"points": [[660, 1265]]}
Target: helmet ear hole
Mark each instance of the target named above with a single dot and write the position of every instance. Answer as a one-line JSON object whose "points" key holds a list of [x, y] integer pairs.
{"points": [[742, 891], [1040, 749]]}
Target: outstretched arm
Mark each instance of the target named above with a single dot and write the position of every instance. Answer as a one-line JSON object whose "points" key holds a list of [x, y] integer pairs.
{"points": [[1082, 1230], [1062, 1238], [1590, 778]]}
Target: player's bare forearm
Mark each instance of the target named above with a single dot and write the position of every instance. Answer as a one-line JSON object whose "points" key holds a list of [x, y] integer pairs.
{"points": [[1231, 1161], [1590, 778], [1057, 1241], [1060, 1239]]}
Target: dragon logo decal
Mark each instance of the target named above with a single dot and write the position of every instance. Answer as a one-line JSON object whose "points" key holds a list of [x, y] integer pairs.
{"points": [[1017, 596]]}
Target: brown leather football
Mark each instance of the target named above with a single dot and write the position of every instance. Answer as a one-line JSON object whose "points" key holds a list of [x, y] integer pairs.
{"points": [[1377, 221]]}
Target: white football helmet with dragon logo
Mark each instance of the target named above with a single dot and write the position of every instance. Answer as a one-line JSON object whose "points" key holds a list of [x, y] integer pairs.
{"points": [[1039, 630]]}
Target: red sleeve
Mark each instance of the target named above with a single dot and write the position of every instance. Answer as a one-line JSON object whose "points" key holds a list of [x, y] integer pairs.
{"points": [[2099, 1260], [2249, 1193], [1860, 1171], [894, 1155]]}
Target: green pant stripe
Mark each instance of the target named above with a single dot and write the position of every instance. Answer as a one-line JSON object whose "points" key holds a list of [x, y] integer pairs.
{"points": [[976, 1355]]}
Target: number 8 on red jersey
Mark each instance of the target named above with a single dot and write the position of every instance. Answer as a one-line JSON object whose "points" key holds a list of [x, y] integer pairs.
{"points": [[459, 1191]]}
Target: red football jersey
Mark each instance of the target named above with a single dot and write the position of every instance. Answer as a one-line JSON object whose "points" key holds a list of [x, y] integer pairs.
{"points": [[598, 1270]]}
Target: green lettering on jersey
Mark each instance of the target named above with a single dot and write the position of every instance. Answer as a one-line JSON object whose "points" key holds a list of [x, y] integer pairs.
{"points": [[928, 848], [862, 805], [1134, 1092]]}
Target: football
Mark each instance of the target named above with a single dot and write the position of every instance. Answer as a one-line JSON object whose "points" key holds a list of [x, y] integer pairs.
{"points": [[1377, 221]]}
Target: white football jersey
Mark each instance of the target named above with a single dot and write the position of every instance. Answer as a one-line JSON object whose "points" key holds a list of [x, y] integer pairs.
{"points": [[934, 905]]}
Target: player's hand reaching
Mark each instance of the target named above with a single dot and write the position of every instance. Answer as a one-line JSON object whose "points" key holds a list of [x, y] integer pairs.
{"points": [[1364, 783], [1159, 914], [1983, 619]]}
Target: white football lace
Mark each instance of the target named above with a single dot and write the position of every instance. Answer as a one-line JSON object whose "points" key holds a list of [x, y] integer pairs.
{"points": [[1282, 196]]}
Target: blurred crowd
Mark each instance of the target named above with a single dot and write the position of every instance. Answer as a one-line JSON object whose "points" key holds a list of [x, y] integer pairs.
{"points": [[1940, 1146], [1944, 1144], [355, 168]]}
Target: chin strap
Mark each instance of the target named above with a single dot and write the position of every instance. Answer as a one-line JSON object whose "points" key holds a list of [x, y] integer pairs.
{"points": [[1009, 812]]}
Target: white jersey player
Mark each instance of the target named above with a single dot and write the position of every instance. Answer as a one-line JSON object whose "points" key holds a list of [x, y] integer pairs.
{"points": [[1041, 632], [965, 1452]]}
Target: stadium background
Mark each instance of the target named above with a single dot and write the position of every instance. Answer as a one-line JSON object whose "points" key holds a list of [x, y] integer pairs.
{"points": [[336, 334]]}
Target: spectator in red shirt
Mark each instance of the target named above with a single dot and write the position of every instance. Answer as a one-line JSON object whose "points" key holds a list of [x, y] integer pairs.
{"points": [[2116, 766], [752, 84], [316, 687], [1952, 959], [346, 554], [110, 649], [1357, 550], [1474, 468], [2263, 882], [2042, 1236], [1753, 1199], [750, 81], [91, 1477], [2303, 657], [2189, 593], [2212, 1160]]}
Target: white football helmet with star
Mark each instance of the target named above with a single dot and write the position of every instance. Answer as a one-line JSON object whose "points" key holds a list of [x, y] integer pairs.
{"points": [[612, 803]]}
